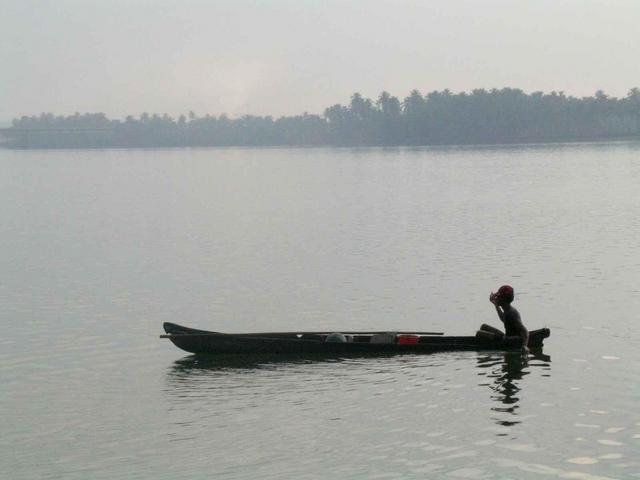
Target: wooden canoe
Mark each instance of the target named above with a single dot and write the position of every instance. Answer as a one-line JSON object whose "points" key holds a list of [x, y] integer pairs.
{"points": [[360, 343]]}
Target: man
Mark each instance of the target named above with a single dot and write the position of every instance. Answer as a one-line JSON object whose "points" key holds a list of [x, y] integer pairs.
{"points": [[509, 316]]}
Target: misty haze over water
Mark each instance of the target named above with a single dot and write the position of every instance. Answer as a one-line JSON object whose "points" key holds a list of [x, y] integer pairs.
{"points": [[286, 57], [107, 231]]}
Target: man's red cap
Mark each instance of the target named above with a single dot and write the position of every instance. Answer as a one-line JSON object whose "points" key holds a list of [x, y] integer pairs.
{"points": [[505, 290]]}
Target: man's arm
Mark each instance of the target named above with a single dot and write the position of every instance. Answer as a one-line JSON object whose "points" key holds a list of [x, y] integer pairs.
{"points": [[492, 299]]}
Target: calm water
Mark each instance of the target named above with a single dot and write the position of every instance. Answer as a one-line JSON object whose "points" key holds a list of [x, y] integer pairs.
{"points": [[98, 248]]}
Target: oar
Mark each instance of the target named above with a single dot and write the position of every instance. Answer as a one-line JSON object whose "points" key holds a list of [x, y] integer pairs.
{"points": [[372, 333], [281, 334]]}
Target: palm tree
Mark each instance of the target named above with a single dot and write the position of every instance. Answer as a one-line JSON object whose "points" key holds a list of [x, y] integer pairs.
{"points": [[361, 107], [388, 104], [414, 103]]}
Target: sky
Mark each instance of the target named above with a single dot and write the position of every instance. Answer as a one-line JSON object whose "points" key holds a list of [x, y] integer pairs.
{"points": [[284, 57]]}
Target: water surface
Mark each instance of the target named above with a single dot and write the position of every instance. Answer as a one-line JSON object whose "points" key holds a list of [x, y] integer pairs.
{"points": [[98, 248]]}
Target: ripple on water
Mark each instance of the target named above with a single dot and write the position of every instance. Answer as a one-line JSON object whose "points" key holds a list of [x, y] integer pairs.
{"points": [[614, 429], [468, 473], [522, 447], [547, 470], [611, 443], [484, 443], [583, 460], [611, 456]]}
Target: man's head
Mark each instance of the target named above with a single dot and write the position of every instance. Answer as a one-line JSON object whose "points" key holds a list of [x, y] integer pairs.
{"points": [[504, 295]]}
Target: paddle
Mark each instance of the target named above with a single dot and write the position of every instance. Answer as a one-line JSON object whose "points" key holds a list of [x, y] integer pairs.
{"points": [[284, 334]]}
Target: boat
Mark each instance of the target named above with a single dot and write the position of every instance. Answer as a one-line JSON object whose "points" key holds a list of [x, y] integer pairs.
{"points": [[343, 343]]}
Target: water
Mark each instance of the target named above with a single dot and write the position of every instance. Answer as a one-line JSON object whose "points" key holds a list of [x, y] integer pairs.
{"points": [[98, 248]]}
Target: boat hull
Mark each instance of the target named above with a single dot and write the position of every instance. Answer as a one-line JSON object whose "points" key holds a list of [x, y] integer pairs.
{"points": [[291, 343]]}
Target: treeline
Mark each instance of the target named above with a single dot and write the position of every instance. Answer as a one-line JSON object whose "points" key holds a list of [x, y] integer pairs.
{"points": [[507, 115]]}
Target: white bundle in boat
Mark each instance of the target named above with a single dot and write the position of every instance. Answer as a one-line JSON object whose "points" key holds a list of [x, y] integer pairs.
{"points": [[386, 337]]}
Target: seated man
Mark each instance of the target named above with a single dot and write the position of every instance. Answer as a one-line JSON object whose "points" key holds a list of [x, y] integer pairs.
{"points": [[509, 316]]}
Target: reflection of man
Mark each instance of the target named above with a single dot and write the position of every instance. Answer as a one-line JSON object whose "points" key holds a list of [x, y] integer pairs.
{"points": [[509, 316], [506, 371], [512, 370]]}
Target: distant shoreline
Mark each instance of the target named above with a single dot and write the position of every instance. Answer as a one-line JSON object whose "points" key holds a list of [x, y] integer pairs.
{"points": [[495, 117], [514, 143], [596, 141]]}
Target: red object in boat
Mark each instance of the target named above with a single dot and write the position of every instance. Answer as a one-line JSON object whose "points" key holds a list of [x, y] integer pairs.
{"points": [[408, 339]]}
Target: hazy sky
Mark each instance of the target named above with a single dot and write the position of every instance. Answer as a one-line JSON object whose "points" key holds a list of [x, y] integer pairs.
{"points": [[281, 57]]}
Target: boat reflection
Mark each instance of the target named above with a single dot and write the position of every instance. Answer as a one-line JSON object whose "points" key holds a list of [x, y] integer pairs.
{"points": [[219, 376], [196, 367], [260, 361], [194, 363], [193, 375], [507, 371]]}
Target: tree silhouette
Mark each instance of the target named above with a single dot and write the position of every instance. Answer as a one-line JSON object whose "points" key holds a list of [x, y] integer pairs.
{"points": [[505, 115]]}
